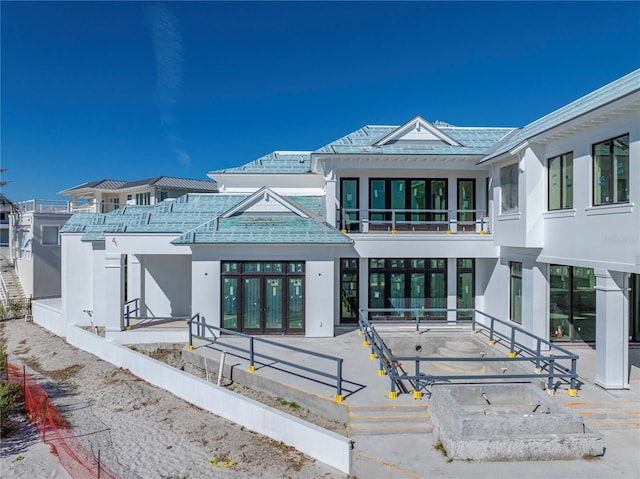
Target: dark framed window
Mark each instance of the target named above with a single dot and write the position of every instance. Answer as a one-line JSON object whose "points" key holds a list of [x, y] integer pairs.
{"points": [[572, 303], [399, 284], [349, 204], [515, 296], [509, 189], [611, 171], [415, 195], [466, 201], [560, 182], [143, 198], [349, 297], [465, 287]]}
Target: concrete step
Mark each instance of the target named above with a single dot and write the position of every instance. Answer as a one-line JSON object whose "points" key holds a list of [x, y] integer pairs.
{"points": [[388, 419], [608, 414]]}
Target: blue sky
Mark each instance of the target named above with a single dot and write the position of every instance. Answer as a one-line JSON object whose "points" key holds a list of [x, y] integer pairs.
{"points": [[129, 90]]}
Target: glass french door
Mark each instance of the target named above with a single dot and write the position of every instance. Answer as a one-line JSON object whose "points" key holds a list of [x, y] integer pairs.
{"points": [[271, 302]]}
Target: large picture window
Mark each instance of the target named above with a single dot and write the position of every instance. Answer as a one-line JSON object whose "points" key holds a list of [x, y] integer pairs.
{"points": [[396, 285], [509, 189], [560, 182], [611, 171], [572, 303], [414, 196]]}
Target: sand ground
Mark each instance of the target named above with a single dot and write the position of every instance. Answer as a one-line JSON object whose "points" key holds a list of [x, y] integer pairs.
{"points": [[140, 430]]}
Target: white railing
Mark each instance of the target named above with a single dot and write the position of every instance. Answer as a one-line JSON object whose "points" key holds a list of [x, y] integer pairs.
{"points": [[4, 292], [94, 207], [44, 206], [364, 220]]}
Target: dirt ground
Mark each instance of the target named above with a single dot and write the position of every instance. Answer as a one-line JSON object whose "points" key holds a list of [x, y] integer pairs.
{"points": [[140, 430]]}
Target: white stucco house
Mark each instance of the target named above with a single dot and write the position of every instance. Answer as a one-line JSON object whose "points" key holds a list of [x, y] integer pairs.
{"points": [[536, 225]]}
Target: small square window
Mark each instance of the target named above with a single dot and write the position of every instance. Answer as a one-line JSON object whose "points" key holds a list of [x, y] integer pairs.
{"points": [[50, 235]]}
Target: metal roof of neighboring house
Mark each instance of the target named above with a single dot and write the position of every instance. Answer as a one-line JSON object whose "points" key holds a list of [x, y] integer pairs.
{"points": [[174, 183], [157, 181], [98, 185], [192, 211], [616, 90], [277, 162], [472, 141]]}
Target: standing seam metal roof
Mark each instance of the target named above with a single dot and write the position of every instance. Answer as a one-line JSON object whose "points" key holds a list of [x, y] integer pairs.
{"points": [[277, 162], [195, 211], [613, 91], [473, 141]]}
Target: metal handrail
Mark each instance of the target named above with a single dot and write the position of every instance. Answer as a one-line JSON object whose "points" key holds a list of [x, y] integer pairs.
{"points": [[547, 366], [450, 223], [131, 308], [202, 327]]}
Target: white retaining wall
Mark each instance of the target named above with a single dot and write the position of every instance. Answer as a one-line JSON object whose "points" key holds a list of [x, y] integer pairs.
{"points": [[321, 444], [48, 314]]}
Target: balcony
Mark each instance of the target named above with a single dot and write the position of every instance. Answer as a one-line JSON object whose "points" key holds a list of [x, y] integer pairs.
{"points": [[44, 206], [366, 220]]}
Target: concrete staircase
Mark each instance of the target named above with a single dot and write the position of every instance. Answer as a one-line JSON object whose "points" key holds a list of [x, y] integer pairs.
{"points": [[12, 282], [613, 414], [377, 419]]}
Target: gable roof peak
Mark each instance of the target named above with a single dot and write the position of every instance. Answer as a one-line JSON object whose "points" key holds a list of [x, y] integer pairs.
{"points": [[417, 130]]}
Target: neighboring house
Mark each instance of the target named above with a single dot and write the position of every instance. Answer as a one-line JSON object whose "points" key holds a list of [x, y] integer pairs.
{"points": [[6, 207], [34, 225], [537, 225], [34, 244], [103, 196]]}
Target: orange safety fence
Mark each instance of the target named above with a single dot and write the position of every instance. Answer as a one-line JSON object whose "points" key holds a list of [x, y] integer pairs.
{"points": [[55, 431]]}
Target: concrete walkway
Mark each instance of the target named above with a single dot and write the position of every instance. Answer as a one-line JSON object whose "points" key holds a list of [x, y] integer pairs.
{"points": [[393, 438]]}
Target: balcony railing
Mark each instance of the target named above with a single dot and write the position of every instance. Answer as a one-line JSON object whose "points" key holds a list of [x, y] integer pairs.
{"points": [[44, 206], [95, 207], [365, 220]]}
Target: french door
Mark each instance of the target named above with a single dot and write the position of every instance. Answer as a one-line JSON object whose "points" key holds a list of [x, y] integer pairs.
{"points": [[259, 300]]}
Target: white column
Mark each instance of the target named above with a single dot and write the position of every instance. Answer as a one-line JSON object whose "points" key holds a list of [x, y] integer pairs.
{"points": [[134, 285], [534, 300], [113, 291], [330, 200], [612, 329]]}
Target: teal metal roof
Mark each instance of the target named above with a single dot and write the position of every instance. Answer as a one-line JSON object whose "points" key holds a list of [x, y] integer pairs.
{"points": [[620, 88], [273, 229], [194, 212], [473, 141], [313, 204], [278, 162]]}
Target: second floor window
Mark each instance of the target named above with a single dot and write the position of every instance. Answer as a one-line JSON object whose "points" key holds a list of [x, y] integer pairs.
{"points": [[611, 171], [560, 184], [143, 198], [509, 189]]}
